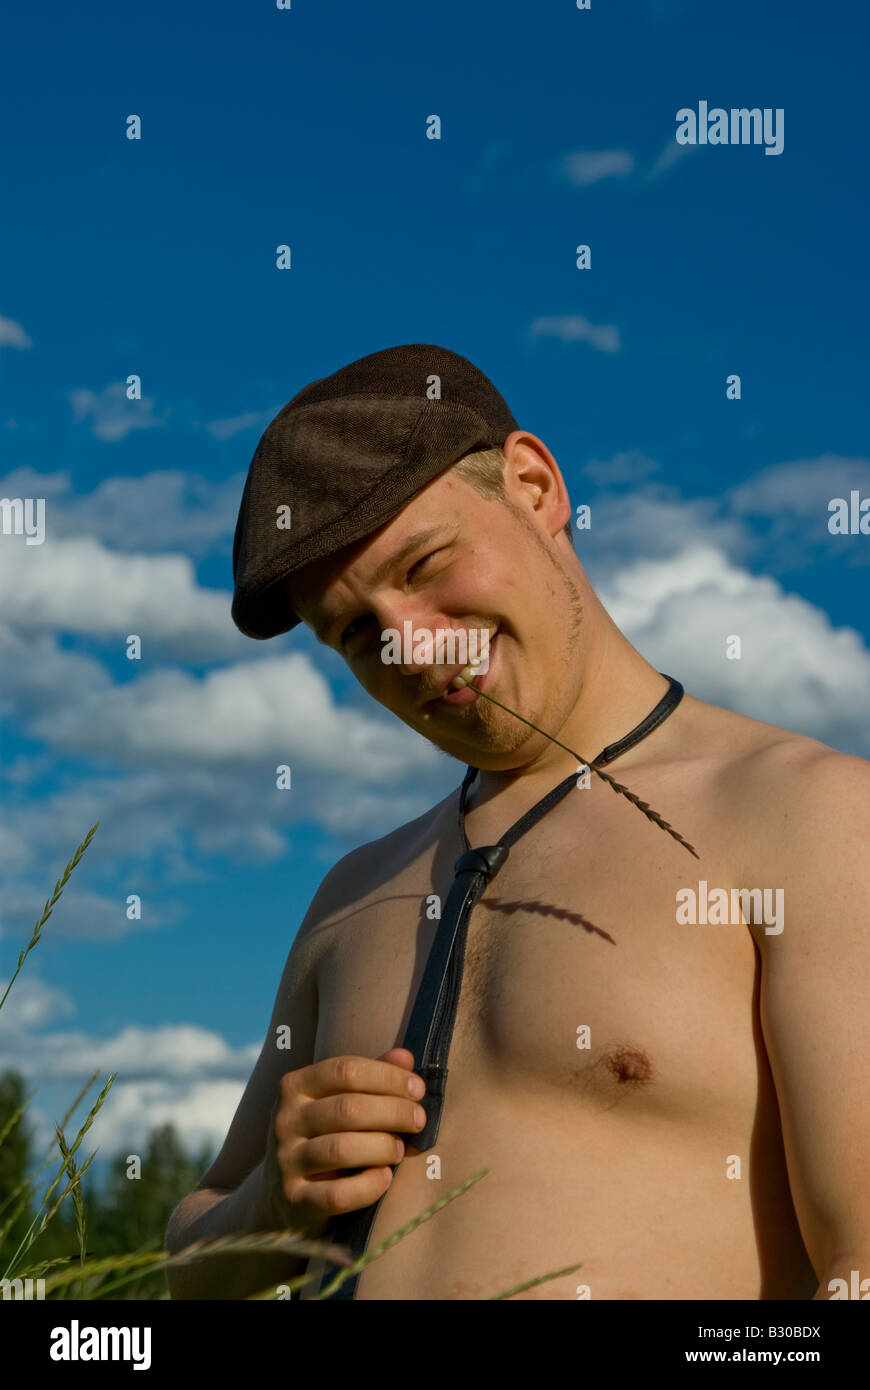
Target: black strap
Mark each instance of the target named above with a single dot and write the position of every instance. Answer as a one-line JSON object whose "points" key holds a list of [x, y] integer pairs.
{"points": [[666, 705], [430, 1027]]}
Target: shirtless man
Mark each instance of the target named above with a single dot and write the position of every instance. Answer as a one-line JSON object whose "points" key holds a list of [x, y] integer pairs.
{"points": [[713, 1139]]}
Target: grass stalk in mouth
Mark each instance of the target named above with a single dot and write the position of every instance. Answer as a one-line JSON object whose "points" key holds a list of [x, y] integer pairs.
{"points": [[618, 787]]}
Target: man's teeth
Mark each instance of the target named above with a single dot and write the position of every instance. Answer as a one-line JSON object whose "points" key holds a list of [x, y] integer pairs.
{"points": [[467, 674]]}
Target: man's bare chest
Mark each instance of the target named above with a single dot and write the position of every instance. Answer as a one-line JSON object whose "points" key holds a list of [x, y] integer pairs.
{"points": [[579, 981]]}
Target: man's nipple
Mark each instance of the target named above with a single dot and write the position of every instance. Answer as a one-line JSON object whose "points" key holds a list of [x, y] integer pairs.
{"points": [[630, 1064]]}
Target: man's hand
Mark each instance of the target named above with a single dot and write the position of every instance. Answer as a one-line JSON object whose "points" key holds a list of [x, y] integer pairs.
{"points": [[334, 1128]]}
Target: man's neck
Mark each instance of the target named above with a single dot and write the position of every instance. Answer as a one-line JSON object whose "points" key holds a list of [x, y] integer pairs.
{"points": [[619, 693]]}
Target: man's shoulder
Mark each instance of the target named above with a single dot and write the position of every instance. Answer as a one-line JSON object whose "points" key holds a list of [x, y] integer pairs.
{"points": [[782, 768], [796, 800], [363, 870], [758, 754], [769, 782]]}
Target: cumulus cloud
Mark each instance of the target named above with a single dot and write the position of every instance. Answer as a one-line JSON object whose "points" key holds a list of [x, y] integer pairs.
{"points": [[621, 470], [198, 758], [583, 167], [32, 1003], [797, 670], [278, 708], [573, 328], [235, 424], [38, 674], [15, 852], [160, 511], [112, 416], [671, 155], [181, 1074], [167, 1052], [12, 334], [654, 521], [80, 586], [789, 503], [201, 1112], [776, 520], [83, 915]]}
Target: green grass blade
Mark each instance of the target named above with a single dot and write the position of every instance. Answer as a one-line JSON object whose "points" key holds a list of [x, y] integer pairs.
{"points": [[29, 1236], [367, 1258], [530, 1283], [49, 906]]}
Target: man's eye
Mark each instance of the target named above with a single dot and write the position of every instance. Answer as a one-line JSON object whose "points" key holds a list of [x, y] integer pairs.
{"points": [[350, 629], [423, 561]]}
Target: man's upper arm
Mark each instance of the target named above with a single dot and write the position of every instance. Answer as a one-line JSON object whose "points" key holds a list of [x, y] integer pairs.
{"points": [[295, 1007], [815, 997]]}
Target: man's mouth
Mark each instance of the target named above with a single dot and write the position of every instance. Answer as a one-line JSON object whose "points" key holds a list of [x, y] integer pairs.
{"points": [[466, 695]]}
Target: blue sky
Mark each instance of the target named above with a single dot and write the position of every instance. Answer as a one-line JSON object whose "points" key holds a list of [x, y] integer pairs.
{"points": [[157, 257]]}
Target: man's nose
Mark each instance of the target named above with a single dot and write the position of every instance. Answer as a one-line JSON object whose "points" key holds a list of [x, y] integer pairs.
{"points": [[423, 651], [421, 637]]}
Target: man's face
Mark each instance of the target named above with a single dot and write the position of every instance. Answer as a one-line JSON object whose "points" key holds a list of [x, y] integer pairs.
{"points": [[451, 559]]}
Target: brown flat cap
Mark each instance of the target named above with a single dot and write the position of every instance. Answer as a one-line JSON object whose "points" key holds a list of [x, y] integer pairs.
{"points": [[344, 456]]}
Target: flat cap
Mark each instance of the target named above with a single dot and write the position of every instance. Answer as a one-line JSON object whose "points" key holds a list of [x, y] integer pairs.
{"points": [[344, 456]]}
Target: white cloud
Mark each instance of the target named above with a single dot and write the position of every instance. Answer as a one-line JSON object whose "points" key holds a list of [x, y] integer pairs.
{"points": [[111, 414], [32, 1003], [82, 915], [181, 1074], [234, 424], [583, 167], [654, 521], [37, 673], [797, 670], [207, 749], [15, 852], [277, 709], [168, 1052], [80, 586], [789, 505], [12, 334], [165, 510], [573, 328], [201, 1112], [628, 468], [801, 488], [669, 156], [29, 482], [360, 812]]}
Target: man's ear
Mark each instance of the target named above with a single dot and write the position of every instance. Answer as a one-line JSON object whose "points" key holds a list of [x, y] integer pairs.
{"points": [[528, 462]]}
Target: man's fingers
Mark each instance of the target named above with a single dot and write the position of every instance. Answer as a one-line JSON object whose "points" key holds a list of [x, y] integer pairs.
{"points": [[351, 1111], [335, 1075], [399, 1056], [332, 1153], [335, 1196]]}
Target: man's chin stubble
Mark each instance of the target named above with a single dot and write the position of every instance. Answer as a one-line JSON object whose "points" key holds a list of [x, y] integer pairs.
{"points": [[491, 729]]}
